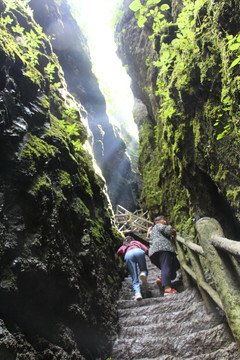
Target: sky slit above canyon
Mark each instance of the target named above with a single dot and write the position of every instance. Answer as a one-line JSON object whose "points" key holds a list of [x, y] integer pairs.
{"points": [[95, 20]]}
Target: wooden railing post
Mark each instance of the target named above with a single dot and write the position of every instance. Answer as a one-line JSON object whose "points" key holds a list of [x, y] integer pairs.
{"points": [[182, 259], [195, 261], [130, 220], [218, 263]]}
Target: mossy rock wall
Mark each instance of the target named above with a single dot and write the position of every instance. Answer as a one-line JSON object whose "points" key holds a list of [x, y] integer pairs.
{"points": [[59, 272], [185, 75], [71, 48]]}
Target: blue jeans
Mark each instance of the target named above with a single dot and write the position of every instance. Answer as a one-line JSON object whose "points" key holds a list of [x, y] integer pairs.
{"points": [[132, 258]]}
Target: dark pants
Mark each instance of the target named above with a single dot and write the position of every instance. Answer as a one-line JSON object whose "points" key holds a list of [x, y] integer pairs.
{"points": [[166, 261]]}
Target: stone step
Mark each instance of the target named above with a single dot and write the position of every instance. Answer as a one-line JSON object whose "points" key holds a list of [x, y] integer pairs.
{"points": [[228, 353], [185, 346], [176, 327], [169, 328], [152, 291], [128, 294], [190, 314], [163, 305], [186, 297]]}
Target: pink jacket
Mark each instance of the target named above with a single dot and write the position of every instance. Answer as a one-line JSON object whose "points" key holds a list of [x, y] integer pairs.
{"points": [[132, 245]]}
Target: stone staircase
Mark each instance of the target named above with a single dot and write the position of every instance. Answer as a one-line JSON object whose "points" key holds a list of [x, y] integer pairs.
{"points": [[169, 328]]}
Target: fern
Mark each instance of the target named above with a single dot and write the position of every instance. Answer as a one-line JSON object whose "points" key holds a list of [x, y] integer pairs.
{"points": [[72, 128], [49, 71], [4, 21], [18, 29]]}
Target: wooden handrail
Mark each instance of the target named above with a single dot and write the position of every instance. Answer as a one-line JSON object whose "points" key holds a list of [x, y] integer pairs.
{"points": [[222, 266], [196, 258], [198, 249], [231, 246], [204, 285]]}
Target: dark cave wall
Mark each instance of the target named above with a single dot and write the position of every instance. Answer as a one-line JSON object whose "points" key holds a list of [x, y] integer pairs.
{"points": [[57, 242], [189, 139], [109, 148]]}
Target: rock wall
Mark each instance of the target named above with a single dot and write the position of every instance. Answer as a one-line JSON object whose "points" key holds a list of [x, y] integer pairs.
{"points": [[108, 147], [181, 62], [59, 272]]}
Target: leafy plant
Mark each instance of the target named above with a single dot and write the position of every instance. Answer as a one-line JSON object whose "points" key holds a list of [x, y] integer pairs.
{"points": [[18, 29], [234, 45], [49, 70], [71, 126], [7, 20]]}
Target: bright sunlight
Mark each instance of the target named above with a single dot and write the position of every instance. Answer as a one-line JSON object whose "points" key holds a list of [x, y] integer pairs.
{"points": [[94, 18]]}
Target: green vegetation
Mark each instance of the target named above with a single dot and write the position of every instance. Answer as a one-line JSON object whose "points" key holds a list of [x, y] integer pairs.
{"points": [[36, 150], [73, 126], [26, 45], [198, 89], [65, 179], [42, 182], [179, 56], [33, 51], [80, 207], [117, 14], [61, 228]]}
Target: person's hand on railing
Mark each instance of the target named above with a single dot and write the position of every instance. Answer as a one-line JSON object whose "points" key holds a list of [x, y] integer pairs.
{"points": [[173, 233]]}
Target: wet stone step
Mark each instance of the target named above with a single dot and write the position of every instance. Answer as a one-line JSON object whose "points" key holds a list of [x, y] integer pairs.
{"points": [[162, 317], [228, 353], [164, 306], [177, 327], [186, 297], [167, 329], [185, 346]]}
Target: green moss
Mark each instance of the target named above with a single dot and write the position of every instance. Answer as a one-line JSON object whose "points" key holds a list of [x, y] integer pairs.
{"points": [[199, 110], [221, 175], [60, 197], [36, 150], [45, 102], [80, 208], [233, 195], [97, 233], [110, 279], [117, 234], [65, 179], [41, 182], [84, 181], [57, 130], [26, 45], [147, 142]]}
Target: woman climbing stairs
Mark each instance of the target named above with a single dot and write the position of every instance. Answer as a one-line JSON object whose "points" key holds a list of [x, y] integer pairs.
{"points": [[169, 328]]}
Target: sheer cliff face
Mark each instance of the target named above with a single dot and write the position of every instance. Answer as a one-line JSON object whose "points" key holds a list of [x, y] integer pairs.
{"points": [[189, 92], [57, 243], [108, 147]]}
